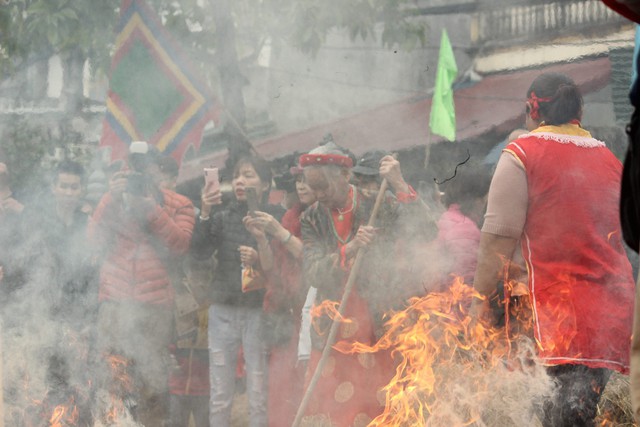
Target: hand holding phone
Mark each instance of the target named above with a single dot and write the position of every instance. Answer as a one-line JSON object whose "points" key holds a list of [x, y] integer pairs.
{"points": [[211, 180], [252, 200]]}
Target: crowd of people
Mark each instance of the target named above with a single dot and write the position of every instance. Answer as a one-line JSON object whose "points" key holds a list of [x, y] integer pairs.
{"points": [[201, 299]]}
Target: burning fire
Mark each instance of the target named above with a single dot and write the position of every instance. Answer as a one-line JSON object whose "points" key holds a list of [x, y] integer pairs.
{"points": [[453, 371], [64, 415], [329, 308]]}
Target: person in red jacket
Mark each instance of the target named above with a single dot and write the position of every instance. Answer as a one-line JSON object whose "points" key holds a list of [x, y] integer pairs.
{"points": [[137, 227], [556, 190]]}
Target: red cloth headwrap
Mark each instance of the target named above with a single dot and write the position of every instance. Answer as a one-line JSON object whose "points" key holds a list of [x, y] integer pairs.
{"points": [[325, 159], [534, 105]]}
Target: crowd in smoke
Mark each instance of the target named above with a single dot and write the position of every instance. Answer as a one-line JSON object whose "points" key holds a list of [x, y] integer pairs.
{"points": [[143, 309]]}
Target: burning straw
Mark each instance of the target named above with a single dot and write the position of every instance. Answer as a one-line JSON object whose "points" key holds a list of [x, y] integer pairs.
{"points": [[454, 372]]}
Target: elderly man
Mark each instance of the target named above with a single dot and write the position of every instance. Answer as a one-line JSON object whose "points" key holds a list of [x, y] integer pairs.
{"points": [[333, 230]]}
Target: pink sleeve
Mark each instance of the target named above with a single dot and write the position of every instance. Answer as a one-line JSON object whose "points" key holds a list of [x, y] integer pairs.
{"points": [[508, 199]]}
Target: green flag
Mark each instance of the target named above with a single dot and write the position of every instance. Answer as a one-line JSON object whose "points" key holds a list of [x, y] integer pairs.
{"points": [[443, 113]]}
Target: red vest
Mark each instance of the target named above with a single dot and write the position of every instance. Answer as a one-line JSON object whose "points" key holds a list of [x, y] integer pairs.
{"points": [[579, 276]]}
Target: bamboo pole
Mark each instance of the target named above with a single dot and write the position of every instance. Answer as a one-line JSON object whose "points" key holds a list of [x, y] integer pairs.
{"points": [[333, 331]]}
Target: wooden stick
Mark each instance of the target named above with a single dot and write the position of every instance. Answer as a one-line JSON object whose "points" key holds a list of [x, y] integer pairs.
{"points": [[341, 309]]}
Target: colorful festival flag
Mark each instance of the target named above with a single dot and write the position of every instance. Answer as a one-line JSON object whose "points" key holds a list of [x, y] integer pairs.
{"points": [[154, 94], [443, 114]]}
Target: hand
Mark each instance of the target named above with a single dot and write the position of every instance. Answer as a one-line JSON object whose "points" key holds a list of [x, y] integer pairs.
{"points": [[364, 237], [255, 227], [390, 170], [1, 273], [118, 185], [248, 255], [210, 198], [269, 224]]}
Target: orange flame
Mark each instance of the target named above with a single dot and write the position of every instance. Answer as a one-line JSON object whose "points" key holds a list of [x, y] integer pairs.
{"points": [[64, 415], [433, 332]]}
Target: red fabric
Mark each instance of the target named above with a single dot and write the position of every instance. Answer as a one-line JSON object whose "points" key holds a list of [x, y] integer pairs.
{"points": [[409, 197], [325, 159], [458, 240], [284, 368], [284, 284], [191, 375], [579, 276], [348, 391], [286, 384], [132, 268], [623, 10]]}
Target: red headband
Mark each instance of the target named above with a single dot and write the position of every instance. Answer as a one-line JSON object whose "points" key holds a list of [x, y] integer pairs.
{"points": [[325, 159], [534, 105]]}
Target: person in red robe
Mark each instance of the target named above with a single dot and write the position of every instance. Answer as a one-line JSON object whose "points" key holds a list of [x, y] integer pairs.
{"points": [[334, 228], [557, 191]]}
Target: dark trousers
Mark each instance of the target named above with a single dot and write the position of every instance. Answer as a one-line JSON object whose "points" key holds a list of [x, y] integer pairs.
{"points": [[181, 407], [575, 402]]}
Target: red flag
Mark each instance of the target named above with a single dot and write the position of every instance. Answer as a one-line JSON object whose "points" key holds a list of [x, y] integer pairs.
{"points": [[154, 95]]}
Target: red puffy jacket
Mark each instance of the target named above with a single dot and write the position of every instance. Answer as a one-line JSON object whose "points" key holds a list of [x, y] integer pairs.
{"points": [[135, 256]]}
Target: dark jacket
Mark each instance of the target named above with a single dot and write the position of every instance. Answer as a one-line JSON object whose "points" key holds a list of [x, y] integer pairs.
{"points": [[378, 281], [222, 235]]}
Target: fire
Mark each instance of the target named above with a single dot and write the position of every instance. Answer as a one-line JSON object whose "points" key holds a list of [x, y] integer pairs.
{"points": [[64, 415], [117, 410], [330, 308], [450, 367]]}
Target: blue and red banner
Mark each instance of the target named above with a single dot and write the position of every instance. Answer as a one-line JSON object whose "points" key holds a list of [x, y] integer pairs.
{"points": [[154, 93]]}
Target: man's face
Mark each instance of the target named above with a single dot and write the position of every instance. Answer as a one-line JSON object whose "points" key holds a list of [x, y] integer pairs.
{"points": [[330, 189], [67, 190]]}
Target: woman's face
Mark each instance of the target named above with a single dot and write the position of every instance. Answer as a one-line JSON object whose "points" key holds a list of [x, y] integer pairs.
{"points": [[246, 176], [305, 195]]}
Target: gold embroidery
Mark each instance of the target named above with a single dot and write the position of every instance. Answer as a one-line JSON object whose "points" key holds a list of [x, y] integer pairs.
{"points": [[349, 329], [361, 420], [329, 366], [366, 360], [344, 392]]}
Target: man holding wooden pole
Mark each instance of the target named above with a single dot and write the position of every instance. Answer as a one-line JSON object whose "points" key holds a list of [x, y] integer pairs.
{"points": [[346, 388]]}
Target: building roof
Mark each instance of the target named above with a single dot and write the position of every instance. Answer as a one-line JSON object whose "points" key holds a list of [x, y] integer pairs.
{"points": [[493, 105]]}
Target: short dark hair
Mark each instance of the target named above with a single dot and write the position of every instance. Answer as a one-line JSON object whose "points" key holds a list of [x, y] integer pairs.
{"points": [[565, 102], [168, 165], [69, 167], [469, 184]]}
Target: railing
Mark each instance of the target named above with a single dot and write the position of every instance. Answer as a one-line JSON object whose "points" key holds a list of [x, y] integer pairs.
{"points": [[540, 19]]}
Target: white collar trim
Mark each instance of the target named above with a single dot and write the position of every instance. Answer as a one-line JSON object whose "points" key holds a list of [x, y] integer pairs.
{"points": [[580, 141]]}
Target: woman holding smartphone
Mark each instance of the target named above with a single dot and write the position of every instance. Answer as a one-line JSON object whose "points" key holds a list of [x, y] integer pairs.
{"points": [[235, 317]]}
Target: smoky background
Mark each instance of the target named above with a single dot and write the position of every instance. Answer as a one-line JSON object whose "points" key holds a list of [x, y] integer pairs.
{"points": [[287, 73]]}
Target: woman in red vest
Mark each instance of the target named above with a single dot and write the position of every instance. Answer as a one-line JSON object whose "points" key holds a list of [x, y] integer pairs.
{"points": [[556, 190]]}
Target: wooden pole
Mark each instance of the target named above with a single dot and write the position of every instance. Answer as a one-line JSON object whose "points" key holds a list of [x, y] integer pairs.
{"points": [[341, 309]]}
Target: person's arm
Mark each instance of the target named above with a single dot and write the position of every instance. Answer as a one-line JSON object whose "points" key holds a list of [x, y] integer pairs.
{"points": [[276, 230], [206, 236], [504, 222], [321, 264], [264, 253], [174, 231]]}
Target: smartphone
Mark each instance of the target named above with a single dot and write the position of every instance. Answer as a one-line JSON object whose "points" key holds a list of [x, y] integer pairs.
{"points": [[211, 180], [252, 199]]}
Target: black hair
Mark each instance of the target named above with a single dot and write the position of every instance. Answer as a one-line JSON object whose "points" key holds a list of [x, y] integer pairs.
{"points": [[262, 168], [69, 167], [469, 184], [566, 101]]}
